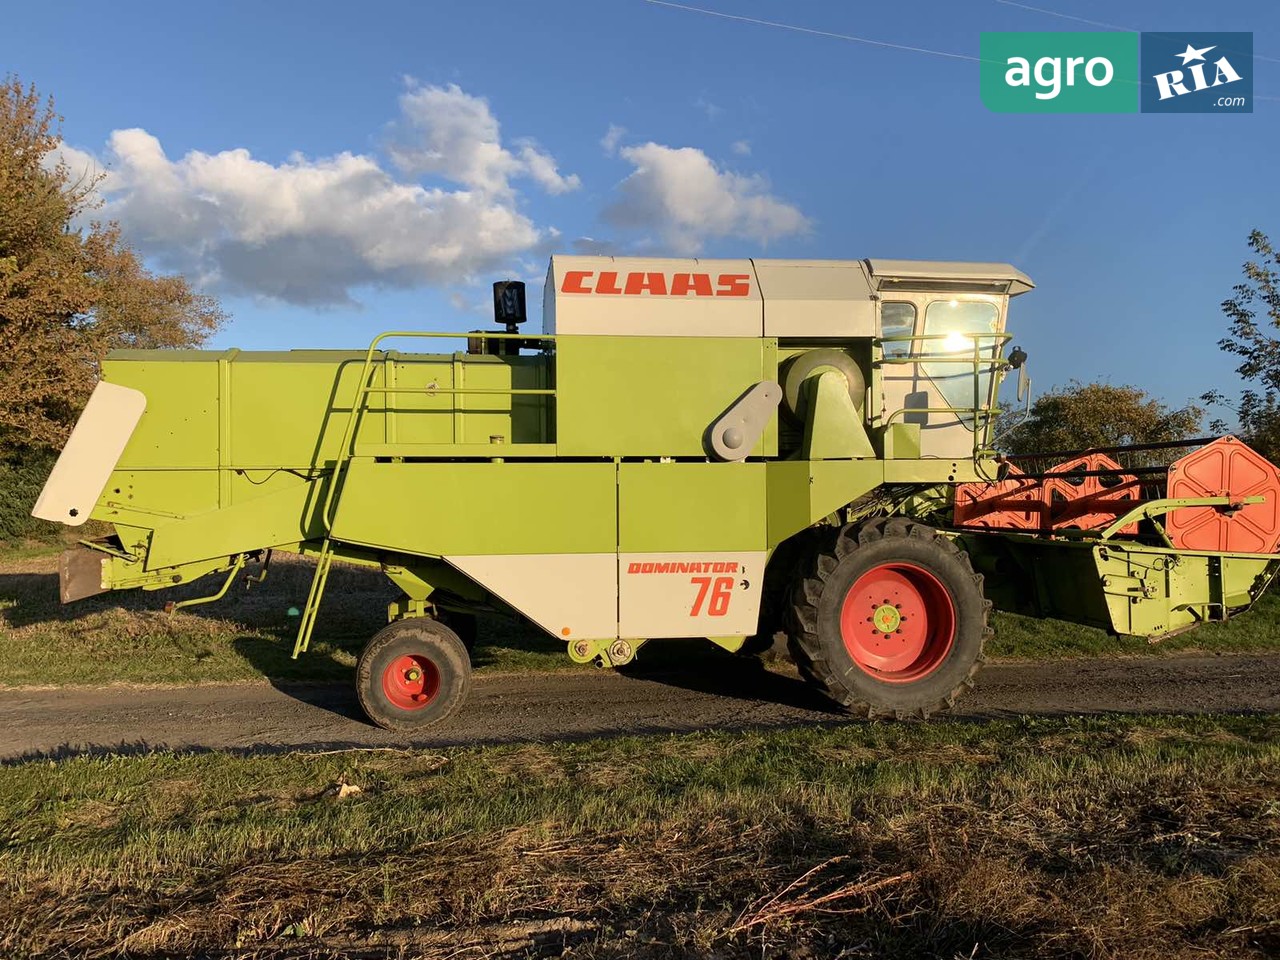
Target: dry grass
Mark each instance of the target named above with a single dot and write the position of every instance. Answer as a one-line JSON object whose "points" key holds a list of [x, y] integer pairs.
{"points": [[1119, 838]]}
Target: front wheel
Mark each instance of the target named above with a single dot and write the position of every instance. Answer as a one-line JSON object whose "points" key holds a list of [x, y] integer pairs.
{"points": [[412, 675], [890, 619]]}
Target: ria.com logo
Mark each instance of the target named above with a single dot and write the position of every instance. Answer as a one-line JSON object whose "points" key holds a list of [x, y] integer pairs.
{"points": [[1116, 72]]}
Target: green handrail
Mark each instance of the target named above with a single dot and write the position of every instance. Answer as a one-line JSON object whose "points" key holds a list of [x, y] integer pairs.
{"points": [[363, 389]]}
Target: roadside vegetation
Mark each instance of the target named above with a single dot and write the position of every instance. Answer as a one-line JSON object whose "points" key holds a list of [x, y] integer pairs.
{"points": [[1104, 838], [127, 637]]}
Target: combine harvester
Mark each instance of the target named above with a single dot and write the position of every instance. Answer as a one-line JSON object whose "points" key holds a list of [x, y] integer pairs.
{"points": [[743, 450]]}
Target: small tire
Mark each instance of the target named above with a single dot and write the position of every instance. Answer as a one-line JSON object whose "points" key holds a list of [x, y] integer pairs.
{"points": [[413, 674], [890, 620]]}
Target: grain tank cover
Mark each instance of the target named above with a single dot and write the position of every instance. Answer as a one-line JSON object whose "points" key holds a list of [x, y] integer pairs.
{"points": [[634, 296]]}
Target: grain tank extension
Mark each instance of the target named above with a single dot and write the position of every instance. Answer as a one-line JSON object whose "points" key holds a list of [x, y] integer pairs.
{"points": [[750, 451]]}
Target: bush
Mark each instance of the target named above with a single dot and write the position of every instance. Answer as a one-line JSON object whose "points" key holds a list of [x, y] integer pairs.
{"points": [[22, 474]]}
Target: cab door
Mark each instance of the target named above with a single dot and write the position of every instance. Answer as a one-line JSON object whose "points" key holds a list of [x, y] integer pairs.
{"points": [[928, 376]]}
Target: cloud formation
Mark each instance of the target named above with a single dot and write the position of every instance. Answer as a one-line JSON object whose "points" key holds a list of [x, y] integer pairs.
{"points": [[447, 132], [310, 230], [679, 194]]}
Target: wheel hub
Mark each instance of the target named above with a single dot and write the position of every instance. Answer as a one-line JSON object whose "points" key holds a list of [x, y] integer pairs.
{"points": [[411, 681], [887, 619], [898, 622]]}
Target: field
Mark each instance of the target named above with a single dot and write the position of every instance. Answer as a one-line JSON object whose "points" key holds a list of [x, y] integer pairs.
{"points": [[1122, 838], [1110, 837]]}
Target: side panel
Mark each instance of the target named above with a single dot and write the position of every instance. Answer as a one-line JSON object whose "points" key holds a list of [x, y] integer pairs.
{"points": [[90, 455], [470, 509], [654, 396], [573, 596], [692, 546]]}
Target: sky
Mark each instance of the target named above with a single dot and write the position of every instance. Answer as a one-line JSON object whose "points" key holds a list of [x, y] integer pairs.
{"points": [[332, 170]]}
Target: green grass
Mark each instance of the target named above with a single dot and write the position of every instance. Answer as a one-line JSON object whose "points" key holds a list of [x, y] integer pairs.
{"points": [[1102, 838], [127, 637]]}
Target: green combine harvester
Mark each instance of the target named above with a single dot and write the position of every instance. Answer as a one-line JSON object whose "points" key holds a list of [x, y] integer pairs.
{"points": [[757, 452]]}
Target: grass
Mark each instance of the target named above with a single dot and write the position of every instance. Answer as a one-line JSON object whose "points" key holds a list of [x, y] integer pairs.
{"points": [[1107, 838], [127, 637]]}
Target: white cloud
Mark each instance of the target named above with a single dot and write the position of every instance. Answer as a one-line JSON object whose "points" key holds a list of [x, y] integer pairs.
{"points": [[310, 230], [742, 148], [612, 137], [679, 193], [447, 132], [541, 168], [304, 231]]}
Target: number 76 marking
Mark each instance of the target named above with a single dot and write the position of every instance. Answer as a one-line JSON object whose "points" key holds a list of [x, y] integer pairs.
{"points": [[721, 590]]}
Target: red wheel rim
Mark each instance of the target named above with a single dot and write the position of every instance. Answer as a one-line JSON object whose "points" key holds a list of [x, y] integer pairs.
{"points": [[411, 681], [898, 622]]}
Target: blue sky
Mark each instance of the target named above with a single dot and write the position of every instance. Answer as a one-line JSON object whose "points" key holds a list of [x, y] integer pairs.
{"points": [[335, 169]]}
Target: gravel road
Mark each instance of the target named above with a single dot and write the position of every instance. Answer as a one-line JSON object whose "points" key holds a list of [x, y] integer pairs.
{"points": [[263, 718]]}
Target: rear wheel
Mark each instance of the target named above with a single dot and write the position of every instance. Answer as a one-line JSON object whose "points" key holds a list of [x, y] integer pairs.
{"points": [[889, 619], [412, 675]]}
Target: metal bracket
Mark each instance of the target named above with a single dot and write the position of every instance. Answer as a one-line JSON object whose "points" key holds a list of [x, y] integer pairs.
{"points": [[739, 428]]}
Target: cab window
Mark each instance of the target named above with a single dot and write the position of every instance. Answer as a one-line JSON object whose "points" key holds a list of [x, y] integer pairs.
{"points": [[954, 328], [897, 319]]}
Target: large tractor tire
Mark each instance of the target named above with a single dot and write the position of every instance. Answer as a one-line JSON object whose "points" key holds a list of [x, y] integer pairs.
{"points": [[889, 620], [413, 675]]}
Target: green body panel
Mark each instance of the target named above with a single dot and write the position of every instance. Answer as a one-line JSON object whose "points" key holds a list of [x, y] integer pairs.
{"points": [[286, 516], [271, 411], [654, 396], [802, 492], [684, 507], [435, 509]]}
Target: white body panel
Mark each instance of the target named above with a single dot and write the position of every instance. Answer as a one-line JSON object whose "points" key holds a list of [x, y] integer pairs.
{"points": [[818, 298], [689, 594], [573, 596], [638, 297], [91, 453]]}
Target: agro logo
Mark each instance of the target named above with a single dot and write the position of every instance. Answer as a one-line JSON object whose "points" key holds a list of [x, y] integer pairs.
{"points": [[1197, 73], [657, 284], [1060, 72]]}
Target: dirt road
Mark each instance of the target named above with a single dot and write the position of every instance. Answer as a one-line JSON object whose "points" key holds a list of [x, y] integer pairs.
{"points": [[582, 705]]}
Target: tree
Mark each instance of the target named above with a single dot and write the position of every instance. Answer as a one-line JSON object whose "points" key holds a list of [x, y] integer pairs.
{"points": [[1084, 415], [69, 292], [1259, 407]]}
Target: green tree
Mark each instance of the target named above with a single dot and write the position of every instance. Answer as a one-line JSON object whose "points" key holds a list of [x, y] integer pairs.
{"points": [[69, 291], [1252, 312], [1084, 415]]}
